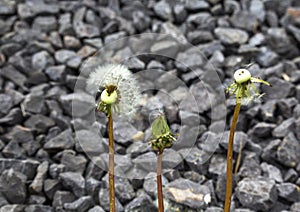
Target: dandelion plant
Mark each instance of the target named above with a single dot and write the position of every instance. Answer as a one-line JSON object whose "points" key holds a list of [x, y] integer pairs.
{"points": [[244, 90], [162, 138], [119, 95]]}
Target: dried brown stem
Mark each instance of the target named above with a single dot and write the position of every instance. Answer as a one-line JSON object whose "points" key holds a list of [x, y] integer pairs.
{"points": [[111, 164], [159, 183], [229, 158]]}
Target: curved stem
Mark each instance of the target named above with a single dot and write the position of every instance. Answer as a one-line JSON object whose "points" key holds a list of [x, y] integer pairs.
{"points": [[229, 158], [159, 183], [111, 164]]}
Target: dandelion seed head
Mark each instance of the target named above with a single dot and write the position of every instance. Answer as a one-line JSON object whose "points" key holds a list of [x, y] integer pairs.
{"points": [[127, 89], [242, 75]]}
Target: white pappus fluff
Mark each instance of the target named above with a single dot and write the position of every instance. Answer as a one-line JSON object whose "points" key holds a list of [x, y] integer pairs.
{"points": [[123, 79]]}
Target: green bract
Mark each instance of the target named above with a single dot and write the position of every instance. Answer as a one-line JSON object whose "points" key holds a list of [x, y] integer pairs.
{"points": [[243, 88]]}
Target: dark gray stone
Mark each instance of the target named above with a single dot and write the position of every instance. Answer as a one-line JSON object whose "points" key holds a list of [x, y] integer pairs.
{"points": [[41, 60], [180, 13], [38, 182], [267, 111], [141, 203], [294, 31], [245, 20], [97, 208], [163, 10], [7, 7], [75, 163], [196, 5], [37, 200], [45, 23], [267, 57], [180, 191], [289, 192], [124, 132], [63, 55], [13, 207], [284, 128], [295, 207], [137, 148], [231, 36], [13, 179], [250, 166], [124, 190], [81, 204], [56, 73], [60, 142], [73, 181], [50, 187], [199, 37], [83, 30], [56, 169], [257, 194], [104, 201], [39, 123], [165, 47], [13, 150], [150, 183], [240, 139], [77, 104], [190, 59], [13, 117], [221, 186], [271, 172], [6, 103], [96, 168], [258, 10], [65, 26], [288, 152], [196, 159], [136, 176], [194, 176], [263, 129], [280, 89], [140, 20], [285, 107], [62, 197], [12, 74], [217, 165], [38, 208], [146, 161], [34, 104]]}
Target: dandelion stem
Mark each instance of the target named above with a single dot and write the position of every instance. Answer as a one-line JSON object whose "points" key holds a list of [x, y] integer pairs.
{"points": [[159, 183], [111, 164], [229, 158]]}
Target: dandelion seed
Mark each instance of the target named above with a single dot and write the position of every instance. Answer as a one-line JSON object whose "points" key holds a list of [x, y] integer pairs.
{"points": [[118, 88]]}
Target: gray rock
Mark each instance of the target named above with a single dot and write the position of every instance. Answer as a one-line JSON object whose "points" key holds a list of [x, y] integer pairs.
{"points": [[6, 103], [73, 181], [221, 186], [284, 128], [38, 208], [257, 39], [62, 197], [124, 190], [13, 150], [136, 176], [180, 13], [217, 165], [4, 27], [82, 204], [50, 187], [97, 208], [65, 26], [267, 57], [257, 194], [199, 37], [56, 169], [165, 47], [190, 59], [86, 51], [240, 139], [250, 166], [140, 20], [45, 23], [7, 7], [60, 142], [34, 104], [280, 89], [38, 182], [150, 184], [41, 60], [263, 129], [96, 168], [63, 55], [124, 132], [13, 187], [295, 207], [137, 148], [56, 73], [194, 176], [77, 104], [188, 193], [171, 159], [141, 203], [230, 36], [83, 30], [267, 111], [13, 207], [74, 163], [290, 175], [288, 152], [285, 107], [12, 74], [39, 123], [196, 5], [294, 31], [37, 200], [257, 8], [146, 161], [163, 10], [196, 159], [71, 42], [74, 62], [13, 117], [289, 192], [245, 20], [104, 201], [271, 172]]}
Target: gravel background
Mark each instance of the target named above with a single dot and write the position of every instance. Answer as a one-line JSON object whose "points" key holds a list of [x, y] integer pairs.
{"points": [[46, 166]]}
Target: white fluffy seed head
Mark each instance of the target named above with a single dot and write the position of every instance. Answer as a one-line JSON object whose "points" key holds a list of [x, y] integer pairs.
{"points": [[123, 79], [242, 75]]}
